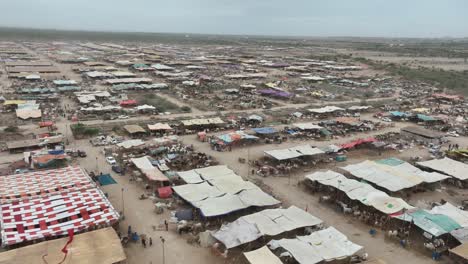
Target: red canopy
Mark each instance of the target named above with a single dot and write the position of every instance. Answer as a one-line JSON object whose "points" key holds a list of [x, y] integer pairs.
{"points": [[165, 192], [357, 142], [46, 124], [128, 102]]}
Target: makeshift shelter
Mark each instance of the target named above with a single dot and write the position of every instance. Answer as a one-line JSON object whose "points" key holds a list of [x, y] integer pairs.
{"points": [[421, 134], [362, 192], [358, 142], [262, 255], [306, 126], [269, 222], [275, 93], [134, 129], [447, 166], [159, 127], [132, 143], [294, 152], [458, 215], [128, 103], [434, 224], [321, 246], [392, 174], [233, 138], [28, 113], [217, 190], [325, 110], [265, 130], [100, 246], [145, 166]]}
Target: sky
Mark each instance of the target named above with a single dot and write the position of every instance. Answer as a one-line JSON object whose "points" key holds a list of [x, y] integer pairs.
{"points": [[322, 18]]}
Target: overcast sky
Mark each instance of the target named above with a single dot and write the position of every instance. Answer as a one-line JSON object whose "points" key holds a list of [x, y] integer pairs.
{"points": [[379, 18]]}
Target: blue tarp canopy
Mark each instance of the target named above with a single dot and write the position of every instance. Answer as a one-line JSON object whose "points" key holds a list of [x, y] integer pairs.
{"points": [[399, 114], [265, 130], [56, 152], [425, 117], [106, 179]]}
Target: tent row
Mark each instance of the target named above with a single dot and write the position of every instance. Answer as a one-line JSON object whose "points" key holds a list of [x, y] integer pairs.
{"points": [[217, 190], [392, 174], [447, 166], [321, 246], [294, 152], [362, 192], [269, 222], [440, 220]]}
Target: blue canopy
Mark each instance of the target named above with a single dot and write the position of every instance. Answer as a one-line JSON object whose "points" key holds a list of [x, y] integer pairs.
{"points": [[399, 114], [265, 130], [106, 179], [425, 117]]}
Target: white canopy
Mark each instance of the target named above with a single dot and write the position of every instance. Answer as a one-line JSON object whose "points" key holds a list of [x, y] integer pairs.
{"points": [[326, 109], [270, 222], [307, 126], [391, 177], [131, 143], [324, 245], [448, 209], [448, 166], [293, 152], [362, 192], [262, 255]]}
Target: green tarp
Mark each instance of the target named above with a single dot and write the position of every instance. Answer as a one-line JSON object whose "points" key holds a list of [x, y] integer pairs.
{"points": [[390, 161], [434, 224]]}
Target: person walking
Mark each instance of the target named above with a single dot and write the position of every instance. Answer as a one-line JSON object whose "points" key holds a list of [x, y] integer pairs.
{"points": [[150, 241], [166, 224], [143, 242]]}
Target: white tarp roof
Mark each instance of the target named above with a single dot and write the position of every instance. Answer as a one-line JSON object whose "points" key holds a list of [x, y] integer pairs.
{"points": [[360, 191], [159, 126], [196, 192], [190, 176], [262, 255], [307, 150], [270, 222], [359, 107], [203, 121], [326, 109], [28, 113], [230, 203], [448, 166], [283, 154], [152, 173], [448, 209], [383, 175], [324, 245], [307, 126], [145, 107], [218, 191], [213, 172], [293, 152], [131, 143]]}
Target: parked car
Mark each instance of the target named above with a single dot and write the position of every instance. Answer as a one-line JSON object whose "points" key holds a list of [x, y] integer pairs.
{"points": [[117, 169], [111, 160]]}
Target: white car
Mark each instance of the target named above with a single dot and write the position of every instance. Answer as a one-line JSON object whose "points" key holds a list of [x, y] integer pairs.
{"points": [[123, 117], [111, 160], [452, 134]]}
